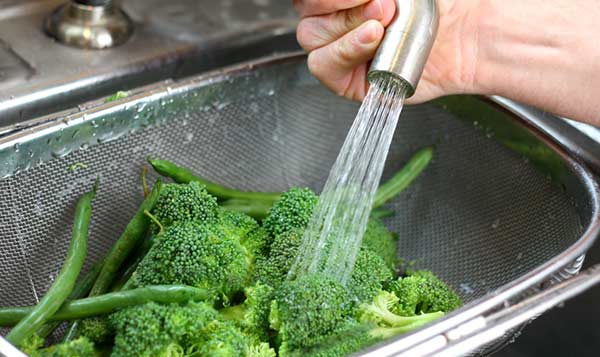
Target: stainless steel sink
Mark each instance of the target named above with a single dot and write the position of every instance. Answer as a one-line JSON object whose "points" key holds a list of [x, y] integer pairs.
{"points": [[171, 40]]}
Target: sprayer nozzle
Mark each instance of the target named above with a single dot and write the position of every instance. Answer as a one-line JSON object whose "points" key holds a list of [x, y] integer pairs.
{"points": [[407, 43]]}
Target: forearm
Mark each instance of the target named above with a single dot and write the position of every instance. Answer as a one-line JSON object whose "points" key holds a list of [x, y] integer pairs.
{"points": [[545, 53]]}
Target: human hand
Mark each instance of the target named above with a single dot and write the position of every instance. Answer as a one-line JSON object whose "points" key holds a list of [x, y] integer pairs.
{"points": [[342, 37]]}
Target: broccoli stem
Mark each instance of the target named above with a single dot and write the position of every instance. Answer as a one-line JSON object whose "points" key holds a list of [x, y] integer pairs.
{"points": [[400, 321], [81, 289], [62, 287], [131, 237], [107, 303], [422, 320], [400, 181], [233, 313], [182, 175]]}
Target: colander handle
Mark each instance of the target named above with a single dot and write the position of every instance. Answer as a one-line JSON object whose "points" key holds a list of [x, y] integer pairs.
{"points": [[482, 330]]}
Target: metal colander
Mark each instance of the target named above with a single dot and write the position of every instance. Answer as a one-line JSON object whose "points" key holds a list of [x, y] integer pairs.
{"points": [[498, 212]]}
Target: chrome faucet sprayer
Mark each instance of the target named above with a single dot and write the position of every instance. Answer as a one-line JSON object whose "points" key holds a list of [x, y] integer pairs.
{"points": [[407, 42]]}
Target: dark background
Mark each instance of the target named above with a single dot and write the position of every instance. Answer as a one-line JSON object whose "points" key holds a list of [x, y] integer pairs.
{"points": [[571, 330]]}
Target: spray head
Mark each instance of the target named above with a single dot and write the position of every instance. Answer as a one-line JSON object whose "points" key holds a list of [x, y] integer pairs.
{"points": [[407, 42]]}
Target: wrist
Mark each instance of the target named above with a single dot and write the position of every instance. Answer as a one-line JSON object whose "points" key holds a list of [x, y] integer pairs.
{"points": [[540, 53]]}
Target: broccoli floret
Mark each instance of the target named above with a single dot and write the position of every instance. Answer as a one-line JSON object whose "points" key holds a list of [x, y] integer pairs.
{"points": [[80, 347], [32, 344], [369, 274], [423, 292], [352, 337], [236, 223], [258, 242], [380, 312], [199, 255], [381, 241], [253, 314], [260, 350], [95, 329], [223, 338], [160, 330], [272, 270], [292, 211], [307, 309], [184, 203]]}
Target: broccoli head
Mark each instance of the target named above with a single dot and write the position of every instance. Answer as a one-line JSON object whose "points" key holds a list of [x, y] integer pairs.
{"points": [[423, 292], [380, 312], [292, 211], [253, 314], [369, 275], [160, 330], [194, 254], [95, 329], [307, 309], [381, 241], [184, 203], [222, 338], [273, 269], [236, 223]]}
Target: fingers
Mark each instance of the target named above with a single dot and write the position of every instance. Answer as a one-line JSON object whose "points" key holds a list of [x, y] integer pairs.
{"points": [[317, 31], [320, 7], [337, 63]]}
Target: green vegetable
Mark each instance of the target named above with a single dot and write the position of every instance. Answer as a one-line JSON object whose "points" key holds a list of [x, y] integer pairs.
{"points": [[369, 275], [422, 292], [107, 303], [160, 330], [81, 347], [380, 312], [195, 254], [307, 309], [292, 211], [65, 280], [256, 209], [95, 329], [129, 240], [400, 181], [182, 175], [381, 241], [81, 289], [116, 96], [185, 203]]}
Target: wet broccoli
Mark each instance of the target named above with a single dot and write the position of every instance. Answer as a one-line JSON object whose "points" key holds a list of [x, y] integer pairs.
{"points": [[369, 275], [307, 309], [199, 255], [273, 269], [292, 211], [185, 203], [160, 330], [381, 241], [423, 292]]}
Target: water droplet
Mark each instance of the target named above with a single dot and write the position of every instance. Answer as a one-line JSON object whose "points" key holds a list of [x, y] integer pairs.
{"points": [[94, 124], [17, 147], [31, 154], [496, 224]]}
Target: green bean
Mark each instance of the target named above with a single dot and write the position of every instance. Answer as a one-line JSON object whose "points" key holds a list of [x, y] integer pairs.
{"points": [[107, 303], [65, 281], [382, 213], [81, 289], [129, 240], [255, 209], [404, 177], [182, 175]]}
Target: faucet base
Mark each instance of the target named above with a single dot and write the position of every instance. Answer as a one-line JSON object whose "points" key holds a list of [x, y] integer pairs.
{"points": [[87, 26]]}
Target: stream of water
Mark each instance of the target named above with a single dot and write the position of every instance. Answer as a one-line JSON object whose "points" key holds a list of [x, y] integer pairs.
{"points": [[334, 234]]}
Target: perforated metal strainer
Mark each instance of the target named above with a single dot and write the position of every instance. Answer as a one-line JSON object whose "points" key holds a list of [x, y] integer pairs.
{"points": [[499, 213]]}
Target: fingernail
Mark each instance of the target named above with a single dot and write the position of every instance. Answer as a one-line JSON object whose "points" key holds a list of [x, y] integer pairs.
{"points": [[374, 10], [368, 32]]}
